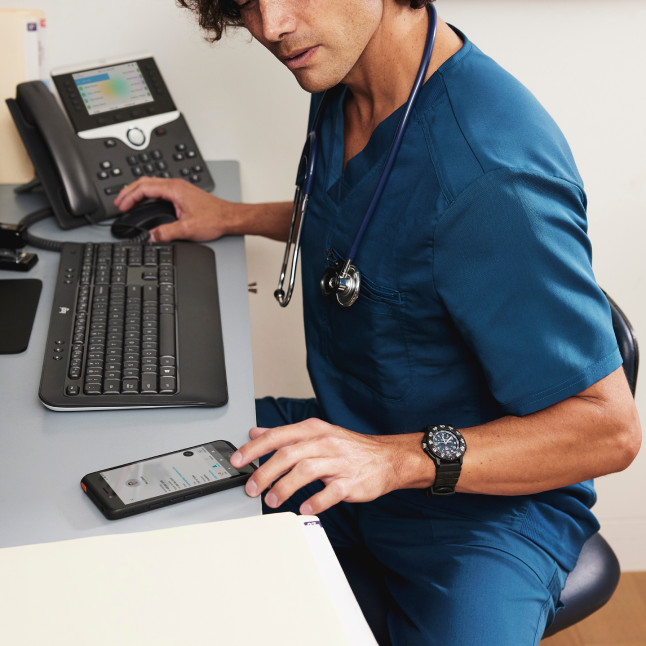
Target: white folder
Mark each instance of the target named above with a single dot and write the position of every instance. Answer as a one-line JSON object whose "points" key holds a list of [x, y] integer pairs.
{"points": [[261, 580]]}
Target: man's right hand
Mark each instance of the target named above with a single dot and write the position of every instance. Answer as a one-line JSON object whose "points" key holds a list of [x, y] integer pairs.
{"points": [[200, 215]]}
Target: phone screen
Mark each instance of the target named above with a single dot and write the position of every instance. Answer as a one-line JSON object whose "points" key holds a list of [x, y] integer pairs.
{"points": [[112, 88], [168, 473]]}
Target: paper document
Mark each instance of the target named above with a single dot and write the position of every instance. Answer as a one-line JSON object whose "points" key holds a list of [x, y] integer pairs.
{"points": [[261, 580], [22, 54], [339, 589]]}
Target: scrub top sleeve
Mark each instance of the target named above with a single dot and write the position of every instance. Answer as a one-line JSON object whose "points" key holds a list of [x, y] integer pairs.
{"points": [[512, 264]]}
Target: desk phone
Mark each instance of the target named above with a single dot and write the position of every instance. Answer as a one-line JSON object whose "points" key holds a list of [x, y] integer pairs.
{"points": [[119, 123]]}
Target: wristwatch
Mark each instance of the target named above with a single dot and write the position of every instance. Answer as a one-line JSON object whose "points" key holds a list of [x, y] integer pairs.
{"points": [[446, 447]]}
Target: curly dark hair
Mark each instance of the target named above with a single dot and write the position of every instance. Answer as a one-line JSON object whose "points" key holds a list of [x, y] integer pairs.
{"points": [[215, 16]]}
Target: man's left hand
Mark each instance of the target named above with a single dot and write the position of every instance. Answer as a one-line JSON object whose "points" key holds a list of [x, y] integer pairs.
{"points": [[352, 466]]}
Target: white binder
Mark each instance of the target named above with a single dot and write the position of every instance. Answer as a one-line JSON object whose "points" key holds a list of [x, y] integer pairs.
{"points": [[261, 580]]}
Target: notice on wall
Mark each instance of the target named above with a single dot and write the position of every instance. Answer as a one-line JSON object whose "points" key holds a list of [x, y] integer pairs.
{"points": [[22, 50]]}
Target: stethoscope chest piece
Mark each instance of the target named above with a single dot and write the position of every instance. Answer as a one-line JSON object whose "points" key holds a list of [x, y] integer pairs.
{"points": [[344, 279]]}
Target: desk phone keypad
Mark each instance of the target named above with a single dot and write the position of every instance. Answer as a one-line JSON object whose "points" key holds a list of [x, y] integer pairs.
{"points": [[150, 164], [171, 152]]}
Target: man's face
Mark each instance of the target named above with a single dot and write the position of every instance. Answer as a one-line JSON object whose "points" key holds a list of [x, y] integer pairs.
{"points": [[320, 41]]}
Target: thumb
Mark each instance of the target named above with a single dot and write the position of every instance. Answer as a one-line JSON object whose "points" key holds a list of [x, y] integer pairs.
{"points": [[167, 232]]}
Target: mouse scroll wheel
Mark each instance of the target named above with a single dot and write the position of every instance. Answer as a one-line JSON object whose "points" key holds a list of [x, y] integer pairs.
{"points": [[136, 136]]}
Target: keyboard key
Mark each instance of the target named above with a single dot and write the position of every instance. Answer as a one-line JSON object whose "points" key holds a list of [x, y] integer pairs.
{"points": [[92, 388], [111, 385], [166, 335], [167, 385], [130, 385], [149, 382]]}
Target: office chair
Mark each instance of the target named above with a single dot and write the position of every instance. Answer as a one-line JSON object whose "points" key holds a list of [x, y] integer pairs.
{"points": [[595, 577], [589, 585]]}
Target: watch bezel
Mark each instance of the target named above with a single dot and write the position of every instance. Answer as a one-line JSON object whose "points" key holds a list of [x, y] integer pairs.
{"points": [[429, 446]]}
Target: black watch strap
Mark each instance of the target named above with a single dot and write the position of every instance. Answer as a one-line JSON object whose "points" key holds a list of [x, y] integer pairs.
{"points": [[446, 477], [445, 445]]}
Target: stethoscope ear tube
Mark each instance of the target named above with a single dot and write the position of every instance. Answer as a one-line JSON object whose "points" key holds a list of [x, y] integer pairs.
{"points": [[292, 248], [304, 181]]}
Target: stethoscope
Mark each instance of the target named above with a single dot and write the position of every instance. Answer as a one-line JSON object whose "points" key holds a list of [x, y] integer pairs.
{"points": [[342, 278]]}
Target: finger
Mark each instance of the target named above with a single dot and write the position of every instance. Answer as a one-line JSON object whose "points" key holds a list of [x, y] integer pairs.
{"points": [[257, 431], [148, 187], [291, 468], [239, 459], [302, 474], [127, 194], [268, 440], [329, 496], [168, 232], [254, 449]]}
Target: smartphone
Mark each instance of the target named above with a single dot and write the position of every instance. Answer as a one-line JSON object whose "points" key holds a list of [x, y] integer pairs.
{"points": [[164, 480]]}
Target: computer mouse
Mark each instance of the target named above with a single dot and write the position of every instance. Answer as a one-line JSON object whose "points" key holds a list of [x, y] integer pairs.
{"points": [[143, 217]]}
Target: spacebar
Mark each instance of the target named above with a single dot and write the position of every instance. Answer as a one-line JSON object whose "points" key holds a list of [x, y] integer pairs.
{"points": [[167, 335]]}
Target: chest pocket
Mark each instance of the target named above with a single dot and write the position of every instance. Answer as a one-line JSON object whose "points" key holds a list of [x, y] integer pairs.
{"points": [[368, 342]]}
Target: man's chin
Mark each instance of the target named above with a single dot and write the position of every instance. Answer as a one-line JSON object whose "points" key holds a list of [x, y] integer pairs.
{"points": [[314, 83]]}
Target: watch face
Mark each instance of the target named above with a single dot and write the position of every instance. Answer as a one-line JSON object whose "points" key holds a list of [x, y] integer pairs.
{"points": [[447, 444]]}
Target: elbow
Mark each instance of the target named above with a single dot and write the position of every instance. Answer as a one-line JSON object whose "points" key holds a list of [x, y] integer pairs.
{"points": [[627, 438], [616, 422], [633, 441]]}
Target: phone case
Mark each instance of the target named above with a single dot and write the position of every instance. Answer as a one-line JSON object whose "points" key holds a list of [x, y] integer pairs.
{"points": [[111, 506]]}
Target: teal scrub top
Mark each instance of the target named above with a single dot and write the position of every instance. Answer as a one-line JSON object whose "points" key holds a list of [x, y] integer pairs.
{"points": [[478, 298]]}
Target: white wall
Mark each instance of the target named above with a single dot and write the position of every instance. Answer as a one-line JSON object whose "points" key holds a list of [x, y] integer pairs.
{"points": [[584, 60]]}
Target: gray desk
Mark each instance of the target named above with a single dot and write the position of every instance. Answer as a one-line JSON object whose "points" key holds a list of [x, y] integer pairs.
{"points": [[44, 454]]}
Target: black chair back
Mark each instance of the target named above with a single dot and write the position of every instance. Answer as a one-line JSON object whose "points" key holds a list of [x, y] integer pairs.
{"points": [[627, 341]]}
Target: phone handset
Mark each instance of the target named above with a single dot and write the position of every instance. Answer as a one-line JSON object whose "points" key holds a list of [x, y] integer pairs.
{"points": [[53, 148]]}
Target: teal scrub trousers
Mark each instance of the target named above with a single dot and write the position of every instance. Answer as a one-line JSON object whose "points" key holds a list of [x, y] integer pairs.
{"points": [[435, 571]]}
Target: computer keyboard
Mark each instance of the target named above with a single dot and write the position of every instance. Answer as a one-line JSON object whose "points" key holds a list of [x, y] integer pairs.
{"points": [[134, 326]]}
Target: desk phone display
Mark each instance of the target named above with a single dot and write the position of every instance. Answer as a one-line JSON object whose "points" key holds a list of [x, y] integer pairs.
{"points": [[120, 123]]}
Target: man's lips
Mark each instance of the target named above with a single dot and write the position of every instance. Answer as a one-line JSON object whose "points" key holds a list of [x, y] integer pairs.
{"points": [[299, 57]]}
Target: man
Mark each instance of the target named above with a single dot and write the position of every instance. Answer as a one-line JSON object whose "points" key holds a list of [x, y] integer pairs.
{"points": [[478, 310]]}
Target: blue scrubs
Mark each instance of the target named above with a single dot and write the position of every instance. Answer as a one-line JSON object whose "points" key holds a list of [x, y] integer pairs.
{"points": [[477, 301]]}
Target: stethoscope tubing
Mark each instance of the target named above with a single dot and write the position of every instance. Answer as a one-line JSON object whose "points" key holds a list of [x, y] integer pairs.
{"points": [[399, 134], [307, 169], [304, 183]]}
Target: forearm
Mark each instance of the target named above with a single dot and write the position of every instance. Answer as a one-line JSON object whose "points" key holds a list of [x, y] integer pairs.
{"points": [[270, 220], [586, 436]]}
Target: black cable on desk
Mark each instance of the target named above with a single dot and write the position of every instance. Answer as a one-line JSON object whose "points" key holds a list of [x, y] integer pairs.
{"points": [[35, 241], [56, 245]]}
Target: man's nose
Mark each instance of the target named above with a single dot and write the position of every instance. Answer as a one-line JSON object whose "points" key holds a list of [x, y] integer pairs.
{"points": [[278, 18]]}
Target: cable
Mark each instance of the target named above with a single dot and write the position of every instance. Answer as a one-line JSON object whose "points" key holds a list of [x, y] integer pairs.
{"points": [[35, 241], [56, 245]]}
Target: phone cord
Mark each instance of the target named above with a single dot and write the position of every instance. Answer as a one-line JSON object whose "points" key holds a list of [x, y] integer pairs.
{"points": [[56, 245]]}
